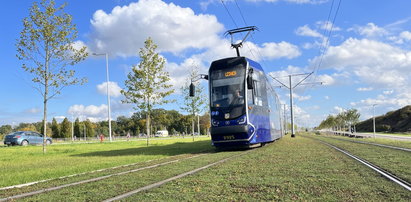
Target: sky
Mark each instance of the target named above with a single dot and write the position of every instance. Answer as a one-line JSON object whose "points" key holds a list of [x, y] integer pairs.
{"points": [[360, 50]]}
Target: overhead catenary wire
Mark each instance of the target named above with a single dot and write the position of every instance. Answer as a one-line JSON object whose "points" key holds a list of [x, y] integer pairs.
{"points": [[232, 19], [325, 45]]}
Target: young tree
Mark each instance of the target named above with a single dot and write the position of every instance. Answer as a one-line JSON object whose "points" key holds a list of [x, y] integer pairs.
{"points": [[194, 105], [55, 128], [46, 47], [353, 117], [77, 128], [147, 84], [90, 128], [65, 128]]}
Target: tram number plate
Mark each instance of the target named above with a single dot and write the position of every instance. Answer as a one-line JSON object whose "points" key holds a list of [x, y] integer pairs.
{"points": [[229, 137]]}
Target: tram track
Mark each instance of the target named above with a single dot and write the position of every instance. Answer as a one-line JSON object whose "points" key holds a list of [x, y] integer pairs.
{"points": [[157, 184], [142, 188], [390, 176], [375, 144], [44, 190]]}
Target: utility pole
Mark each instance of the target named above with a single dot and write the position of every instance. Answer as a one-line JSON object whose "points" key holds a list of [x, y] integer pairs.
{"points": [[285, 118], [373, 118], [72, 128], [291, 87]]}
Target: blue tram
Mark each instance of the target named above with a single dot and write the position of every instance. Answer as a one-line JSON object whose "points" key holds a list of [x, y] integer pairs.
{"points": [[245, 109]]}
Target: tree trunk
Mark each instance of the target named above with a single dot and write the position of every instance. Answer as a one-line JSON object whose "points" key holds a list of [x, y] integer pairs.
{"points": [[198, 124], [192, 128], [44, 122], [46, 92], [148, 127]]}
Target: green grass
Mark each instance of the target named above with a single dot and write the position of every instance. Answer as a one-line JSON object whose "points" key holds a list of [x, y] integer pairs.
{"points": [[27, 164], [393, 134], [289, 169], [395, 161], [390, 142]]}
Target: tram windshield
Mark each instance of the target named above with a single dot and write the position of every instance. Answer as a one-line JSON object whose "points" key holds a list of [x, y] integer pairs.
{"points": [[227, 88]]}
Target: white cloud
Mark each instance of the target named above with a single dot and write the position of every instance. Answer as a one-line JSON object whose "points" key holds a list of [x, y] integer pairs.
{"points": [[302, 118], [327, 25], [406, 35], [374, 63], [34, 110], [114, 89], [327, 97], [124, 29], [326, 80], [301, 98], [77, 45], [370, 30], [59, 117], [388, 92], [307, 31], [269, 51], [365, 89], [338, 110]]}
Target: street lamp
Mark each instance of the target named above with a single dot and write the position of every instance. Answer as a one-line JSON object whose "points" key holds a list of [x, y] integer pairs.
{"points": [[108, 93], [373, 117]]}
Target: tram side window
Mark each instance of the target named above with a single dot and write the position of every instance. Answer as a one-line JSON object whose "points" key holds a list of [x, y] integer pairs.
{"points": [[258, 92]]}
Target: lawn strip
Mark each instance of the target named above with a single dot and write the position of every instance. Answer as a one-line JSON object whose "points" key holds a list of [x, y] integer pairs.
{"points": [[394, 161], [116, 185], [88, 176], [290, 169], [395, 143], [27, 164]]}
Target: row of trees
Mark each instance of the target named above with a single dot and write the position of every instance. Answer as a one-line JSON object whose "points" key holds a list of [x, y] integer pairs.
{"points": [[46, 48], [343, 121], [171, 120]]}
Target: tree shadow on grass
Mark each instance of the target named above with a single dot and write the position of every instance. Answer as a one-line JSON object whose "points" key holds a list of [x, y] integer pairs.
{"points": [[168, 150]]}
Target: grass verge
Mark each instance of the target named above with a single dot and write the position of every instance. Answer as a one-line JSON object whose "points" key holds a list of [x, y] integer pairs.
{"points": [[395, 161], [27, 164]]}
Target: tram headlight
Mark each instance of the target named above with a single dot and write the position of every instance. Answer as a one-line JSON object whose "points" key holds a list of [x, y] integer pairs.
{"points": [[242, 120], [214, 122]]}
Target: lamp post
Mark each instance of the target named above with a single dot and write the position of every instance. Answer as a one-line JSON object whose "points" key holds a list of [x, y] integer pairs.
{"points": [[108, 93], [373, 117]]}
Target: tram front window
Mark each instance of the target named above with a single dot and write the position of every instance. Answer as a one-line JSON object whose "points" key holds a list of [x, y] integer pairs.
{"points": [[227, 93]]}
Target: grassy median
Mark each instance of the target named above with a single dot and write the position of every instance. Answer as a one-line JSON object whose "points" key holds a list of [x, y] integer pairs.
{"points": [[27, 164]]}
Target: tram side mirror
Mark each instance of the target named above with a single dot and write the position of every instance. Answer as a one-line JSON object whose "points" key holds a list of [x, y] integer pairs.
{"points": [[250, 81], [192, 90]]}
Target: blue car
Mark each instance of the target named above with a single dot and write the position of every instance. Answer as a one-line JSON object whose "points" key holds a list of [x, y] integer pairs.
{"points": [[25, 138]]}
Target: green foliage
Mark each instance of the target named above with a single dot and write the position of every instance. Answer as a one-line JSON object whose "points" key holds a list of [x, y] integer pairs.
{"points": [[65, 129], [5, 129], [147, 84], [393, 121], [196, 104], [341, 120], [46, 48], [55, 129], [77, 129], [89, 128]]}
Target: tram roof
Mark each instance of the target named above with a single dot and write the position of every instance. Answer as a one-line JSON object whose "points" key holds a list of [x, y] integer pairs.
{"points": [[255, 64]]}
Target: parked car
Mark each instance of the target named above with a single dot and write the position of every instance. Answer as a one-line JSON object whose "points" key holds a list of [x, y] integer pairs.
{"points": [[25, 138], [161, 133]]}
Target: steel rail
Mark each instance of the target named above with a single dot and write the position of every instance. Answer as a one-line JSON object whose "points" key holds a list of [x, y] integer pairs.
{"points": [[376, 144], [32, 193], [157, 184], [377, 169]]}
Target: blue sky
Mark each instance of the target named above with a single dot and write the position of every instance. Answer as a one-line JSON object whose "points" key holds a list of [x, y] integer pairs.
{"points": [[368, 60]]}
